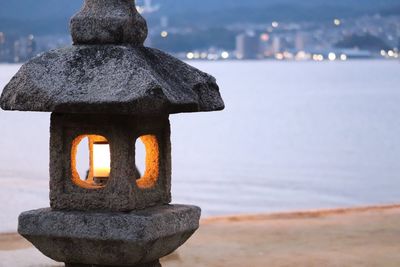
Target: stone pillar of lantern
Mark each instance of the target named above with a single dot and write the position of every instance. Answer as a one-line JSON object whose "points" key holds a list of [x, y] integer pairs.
{"points": [[109, 86]]}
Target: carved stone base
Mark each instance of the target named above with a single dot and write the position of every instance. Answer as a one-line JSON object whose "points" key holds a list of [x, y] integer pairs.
{"points": [[101, 239], [151, 264]]}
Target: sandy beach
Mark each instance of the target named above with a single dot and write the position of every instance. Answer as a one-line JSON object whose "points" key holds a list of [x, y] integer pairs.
{"points": [[367, 236]]}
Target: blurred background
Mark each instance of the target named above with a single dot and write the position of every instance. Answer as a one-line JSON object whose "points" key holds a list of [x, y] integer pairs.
{"points": [[312, 96], [224, 29]]}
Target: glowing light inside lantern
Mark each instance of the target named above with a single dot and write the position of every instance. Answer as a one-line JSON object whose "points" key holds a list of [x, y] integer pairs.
{"points": [[101, 160]]}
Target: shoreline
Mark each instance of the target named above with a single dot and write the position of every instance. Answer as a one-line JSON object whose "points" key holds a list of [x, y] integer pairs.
{"points": [[11, 241], [357, 237], [312, 213]]}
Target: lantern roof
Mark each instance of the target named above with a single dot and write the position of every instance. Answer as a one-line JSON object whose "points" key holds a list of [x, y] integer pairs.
{"points": [[108, 70]]}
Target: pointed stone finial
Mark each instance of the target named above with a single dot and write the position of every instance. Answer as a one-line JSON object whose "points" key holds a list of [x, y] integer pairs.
{"points": [[108, 22]]}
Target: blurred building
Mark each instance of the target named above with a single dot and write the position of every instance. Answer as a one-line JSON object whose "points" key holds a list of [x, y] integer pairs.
{"points": [[164, 22], [15, 49], [247, 46], [2, 46], [276, 44], [30, 47]]}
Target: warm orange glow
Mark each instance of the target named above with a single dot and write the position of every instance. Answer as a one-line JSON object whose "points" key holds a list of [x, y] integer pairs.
{"points": [[150, 177], [99, 159], [100, 162]]}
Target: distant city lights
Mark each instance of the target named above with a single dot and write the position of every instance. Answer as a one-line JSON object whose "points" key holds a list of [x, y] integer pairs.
{"points": [[239, 56], [164, 34], [208, 55], [279, 56], [264, 37], [390, 53], [297, 42], [318, 57], [332, 56], [286, 55], [225, 55], [302, 55], [337, 22], [212, 56], [190, 55], [333, 40]]}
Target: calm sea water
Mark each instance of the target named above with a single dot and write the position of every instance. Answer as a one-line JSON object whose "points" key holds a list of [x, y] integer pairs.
{"points": [[293, 136]]}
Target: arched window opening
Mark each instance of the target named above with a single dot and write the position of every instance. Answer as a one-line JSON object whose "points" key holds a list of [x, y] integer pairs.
{"points": [[147, 158], [90, 161]]}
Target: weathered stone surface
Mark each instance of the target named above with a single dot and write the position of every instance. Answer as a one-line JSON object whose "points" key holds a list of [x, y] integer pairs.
{"points": [[122, 191], [108, 22], [110, 79], [116, 239], [152, 264], [110, 88]]}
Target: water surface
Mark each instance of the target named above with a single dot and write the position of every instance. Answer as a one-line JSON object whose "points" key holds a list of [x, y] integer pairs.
{"points": [[293, 136]]}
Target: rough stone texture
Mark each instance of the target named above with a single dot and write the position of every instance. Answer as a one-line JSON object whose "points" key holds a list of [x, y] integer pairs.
{"points": [[152, 264], [108, 22], [122, 192], [116, 239], [109, 85], [110, 79]]}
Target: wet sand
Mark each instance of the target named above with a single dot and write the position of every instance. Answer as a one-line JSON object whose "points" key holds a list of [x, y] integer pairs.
{"points": [[346, 237], [9, 242]]}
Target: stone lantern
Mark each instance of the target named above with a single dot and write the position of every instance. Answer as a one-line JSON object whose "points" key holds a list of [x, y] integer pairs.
{"points": [[111, 89]]}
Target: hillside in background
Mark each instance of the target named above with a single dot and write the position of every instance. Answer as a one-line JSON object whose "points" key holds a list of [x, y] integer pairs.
{"points": [[52, 16]]}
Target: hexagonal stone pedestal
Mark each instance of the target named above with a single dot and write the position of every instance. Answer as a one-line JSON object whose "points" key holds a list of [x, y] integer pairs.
{"points": [[136, 239], [152, 264]]}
